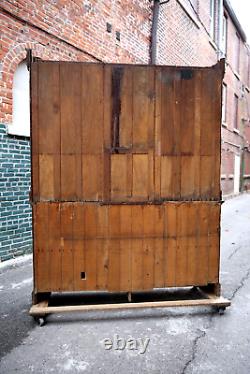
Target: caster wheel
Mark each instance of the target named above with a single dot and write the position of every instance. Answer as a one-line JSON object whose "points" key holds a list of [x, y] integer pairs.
{"points": [[40, 321], [221, 310]]}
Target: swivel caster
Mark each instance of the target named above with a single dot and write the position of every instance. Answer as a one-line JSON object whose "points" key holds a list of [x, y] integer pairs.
{"points": [[220, 310], [40, 321]]}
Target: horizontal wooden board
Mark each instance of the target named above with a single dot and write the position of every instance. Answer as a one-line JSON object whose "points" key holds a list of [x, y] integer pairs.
{"points": [[83, 246]]}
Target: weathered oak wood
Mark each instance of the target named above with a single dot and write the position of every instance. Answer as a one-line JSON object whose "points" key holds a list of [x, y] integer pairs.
{"points": [[125, 176]]}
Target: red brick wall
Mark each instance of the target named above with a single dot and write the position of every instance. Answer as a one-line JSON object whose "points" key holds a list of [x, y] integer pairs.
{"points": [[234, 142], [70, 30], [182, 39]]}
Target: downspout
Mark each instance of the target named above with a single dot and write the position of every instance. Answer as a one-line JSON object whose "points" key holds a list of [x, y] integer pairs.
{"points": [[153, 46], [220, 36], [153, 42]]}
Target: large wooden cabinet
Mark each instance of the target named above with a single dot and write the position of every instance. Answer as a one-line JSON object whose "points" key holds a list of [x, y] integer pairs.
{"points": [[125, 176]]}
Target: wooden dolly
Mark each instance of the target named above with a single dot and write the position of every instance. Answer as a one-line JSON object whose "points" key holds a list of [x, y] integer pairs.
{"points": [[40, 310]]}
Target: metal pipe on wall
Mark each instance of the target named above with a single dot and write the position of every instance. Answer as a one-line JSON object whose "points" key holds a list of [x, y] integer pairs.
{"points": [[155, 18]]}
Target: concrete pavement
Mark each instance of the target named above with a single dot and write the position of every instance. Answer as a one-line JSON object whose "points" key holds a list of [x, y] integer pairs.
{"points": [[181, 340]]}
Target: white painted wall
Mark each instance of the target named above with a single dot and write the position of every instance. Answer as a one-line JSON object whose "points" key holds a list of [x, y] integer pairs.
{"points": [[21, 102], [236, 174]]}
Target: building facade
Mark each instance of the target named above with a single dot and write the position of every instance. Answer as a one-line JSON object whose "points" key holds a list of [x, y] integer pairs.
{"points": [[185, 32], [236, 100]]}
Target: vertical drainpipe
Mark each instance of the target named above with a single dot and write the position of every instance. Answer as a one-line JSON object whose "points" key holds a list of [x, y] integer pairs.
{"points": [[153, 43], [220, 31]]}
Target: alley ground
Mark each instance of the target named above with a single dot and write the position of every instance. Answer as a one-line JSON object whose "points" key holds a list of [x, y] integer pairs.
{"points": [[181, 340]]}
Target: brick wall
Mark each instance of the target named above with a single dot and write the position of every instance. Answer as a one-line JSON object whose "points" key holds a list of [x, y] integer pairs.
{"points": [[183, 36], [235, 142], [15, 212]]}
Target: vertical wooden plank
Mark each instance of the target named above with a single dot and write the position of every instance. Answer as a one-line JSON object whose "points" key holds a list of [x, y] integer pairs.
{"points": [[42, 255], [117, 76], [79, 247], [214, 243], [211, 114], [125, 248], [137, 247], [49, 124], [92, 105], [90, 227], [107, 132], [192, 249], [189, 177], [143, 104], [151, 108], [157, 176], [216, 184], [188, 78], [202, 255], [158, 112], [67, 246], [182, 244], [35, 246], [92, 173], [54, 244], [210, 135], [34, 132], [70, 109], [157, 134], [168, 104], [46, 177], [166, 177], [206, 176], [174, 141], [207, 125], [119, 175], [171, 243], [93, 131], [102, 248], [151, 174], [170, 177], [178, 98], [159, 260], [148, 254], [210, 130], [129, 175], [197, 133], [126, 114], [114, 249], [140, 177], [49, 103], [71, 178], [107, 78]]}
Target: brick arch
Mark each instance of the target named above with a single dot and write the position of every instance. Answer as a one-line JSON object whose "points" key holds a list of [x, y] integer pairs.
{"points": [[10, 62], [18, 53]]}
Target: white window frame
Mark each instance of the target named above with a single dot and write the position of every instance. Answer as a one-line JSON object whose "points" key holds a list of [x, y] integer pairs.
{"points": [[236, 112], [224, 35], [212, 19], [20, 125], [224, 103], [237, 53]]}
